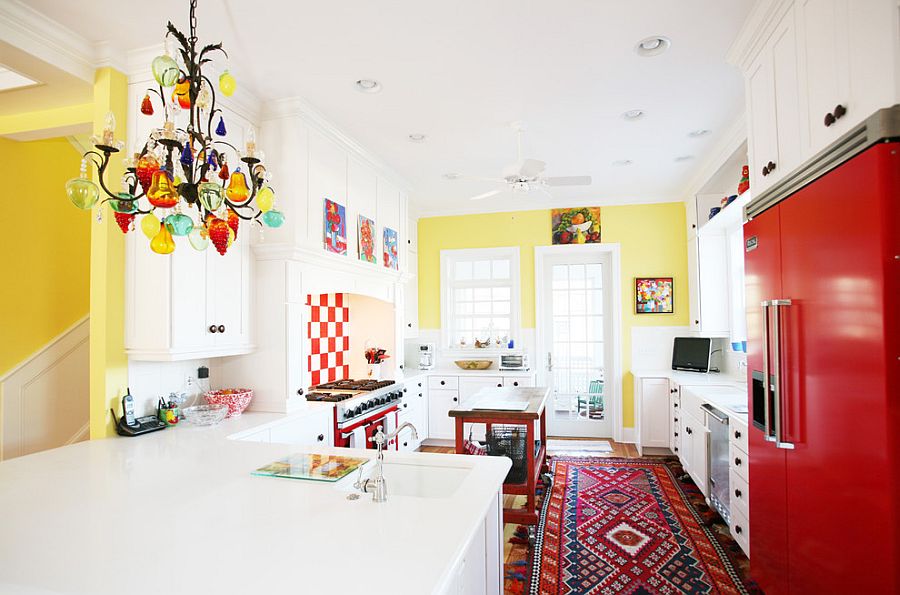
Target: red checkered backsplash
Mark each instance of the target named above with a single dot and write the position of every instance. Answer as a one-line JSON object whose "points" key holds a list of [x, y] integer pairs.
{"points": [[328, 330]]}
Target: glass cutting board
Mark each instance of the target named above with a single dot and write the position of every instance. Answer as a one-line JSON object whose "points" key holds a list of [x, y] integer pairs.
{"points": [[316, 467]]}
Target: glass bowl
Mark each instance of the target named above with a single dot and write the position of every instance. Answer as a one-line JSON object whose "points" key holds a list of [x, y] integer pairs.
{"points": [[205, 415]]}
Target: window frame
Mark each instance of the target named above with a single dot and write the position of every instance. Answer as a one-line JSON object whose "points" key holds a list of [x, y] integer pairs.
{"points": [[449, 258]]}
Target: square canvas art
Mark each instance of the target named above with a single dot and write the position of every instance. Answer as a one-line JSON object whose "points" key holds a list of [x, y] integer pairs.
{"points": [[366, 237], [335, 227], [654, 295], [390, 249], [576, 226]]}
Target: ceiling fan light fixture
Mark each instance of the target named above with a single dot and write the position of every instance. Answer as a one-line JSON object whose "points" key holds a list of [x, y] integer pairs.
{"points": [[451, 176], [633, 114], [417, 137], [622, 162], [652, 46], [368, 86]]}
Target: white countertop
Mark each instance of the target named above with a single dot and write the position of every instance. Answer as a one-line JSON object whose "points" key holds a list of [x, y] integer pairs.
{"points": [[177, 511], [725, 398], [692, 378], [454, 371]]}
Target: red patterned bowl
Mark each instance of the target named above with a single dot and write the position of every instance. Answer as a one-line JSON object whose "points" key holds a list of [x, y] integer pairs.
{"points": [[237, 399]]}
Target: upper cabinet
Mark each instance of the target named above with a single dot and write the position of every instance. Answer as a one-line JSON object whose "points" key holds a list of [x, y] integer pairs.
{"points": [[813, 70]]}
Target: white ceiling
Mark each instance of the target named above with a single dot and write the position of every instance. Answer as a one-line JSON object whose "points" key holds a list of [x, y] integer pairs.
{"points": [[459, 71]]}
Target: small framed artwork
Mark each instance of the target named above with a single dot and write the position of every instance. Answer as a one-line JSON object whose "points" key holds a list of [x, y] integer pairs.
{"points": [[335, 221], [366, 237], [654, 295], [390, 249]]}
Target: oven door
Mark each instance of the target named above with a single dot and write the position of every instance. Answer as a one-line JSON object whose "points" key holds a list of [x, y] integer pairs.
{"points": [[369, 426]]}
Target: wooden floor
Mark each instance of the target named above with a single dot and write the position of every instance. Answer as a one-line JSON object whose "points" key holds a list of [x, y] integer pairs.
{"points": [[619, 450]]}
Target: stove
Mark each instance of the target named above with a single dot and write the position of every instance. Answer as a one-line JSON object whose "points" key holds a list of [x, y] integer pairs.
{"points": [[331, 397], [358, 403], [357, 385]]}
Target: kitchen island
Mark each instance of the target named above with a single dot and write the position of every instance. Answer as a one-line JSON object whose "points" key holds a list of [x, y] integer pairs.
{"points": [[178, 511]]}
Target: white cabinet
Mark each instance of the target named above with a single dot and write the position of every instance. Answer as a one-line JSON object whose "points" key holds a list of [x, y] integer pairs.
{"points": [[652, 404], [411, 300], [708, 284], [694, 455], [440, 401], [523, 381], [310, 430], [187, 305]]}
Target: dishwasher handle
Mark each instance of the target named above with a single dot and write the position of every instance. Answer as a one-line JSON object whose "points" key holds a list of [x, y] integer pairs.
{"points": [[715, 413]]}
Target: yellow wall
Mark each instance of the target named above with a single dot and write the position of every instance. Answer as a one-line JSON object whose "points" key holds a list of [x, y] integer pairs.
{"points": [[653, 243], [44, 248]]}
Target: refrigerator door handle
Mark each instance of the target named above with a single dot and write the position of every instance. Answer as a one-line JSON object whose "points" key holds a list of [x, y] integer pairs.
{"points": [[776, 371], [766, 386]]}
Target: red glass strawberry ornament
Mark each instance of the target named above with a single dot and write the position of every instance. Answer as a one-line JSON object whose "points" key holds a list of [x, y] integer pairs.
{"points": [[147, 106], [233, 221], [219, 233], [223, 172], [124, 220], [146, 166]]}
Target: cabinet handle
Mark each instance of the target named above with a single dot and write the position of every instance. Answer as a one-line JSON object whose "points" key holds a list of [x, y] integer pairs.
{"points": [[829, 119], [738, 530], [213, 329], [738, 493], [221, 328], [737, 435], [321, 437], [697, 322], [737, 461], [300, 391], [455, 399]]}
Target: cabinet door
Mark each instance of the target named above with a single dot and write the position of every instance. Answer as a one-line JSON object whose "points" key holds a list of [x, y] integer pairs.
{"points": [[824, 55], [654, 412], [470, 385], [418, 391], [712, 264], [228, 287], [314, 430], [694, 282], [440, 424], [190, 300], [700, 455], [762, 140], [786, 98], [874, 58], [411, 301]]}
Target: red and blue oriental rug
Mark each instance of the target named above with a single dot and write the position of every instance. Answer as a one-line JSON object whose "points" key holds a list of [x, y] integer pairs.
{"points": [[624, 526]]}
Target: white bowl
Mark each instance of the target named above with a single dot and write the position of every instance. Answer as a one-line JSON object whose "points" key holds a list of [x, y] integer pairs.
{"points": [[580, 227]]}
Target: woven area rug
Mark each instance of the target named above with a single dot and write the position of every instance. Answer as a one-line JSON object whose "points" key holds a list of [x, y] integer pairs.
{"points": [[624, 526]]}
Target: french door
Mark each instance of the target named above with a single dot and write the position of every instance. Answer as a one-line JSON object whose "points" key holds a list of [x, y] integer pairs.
{"points": [[575, 320]]}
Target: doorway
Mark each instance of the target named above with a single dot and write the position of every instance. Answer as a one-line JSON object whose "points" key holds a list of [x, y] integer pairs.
{"points": [[578, 338]]}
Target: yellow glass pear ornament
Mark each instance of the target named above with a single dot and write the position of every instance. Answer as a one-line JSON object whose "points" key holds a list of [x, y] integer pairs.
{"points": [[265, 199], [150, 225], [163, 242], [227, 84]]}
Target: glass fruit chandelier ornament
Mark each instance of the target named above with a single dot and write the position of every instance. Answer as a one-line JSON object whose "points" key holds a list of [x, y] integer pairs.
{"points": [[181, 169]]}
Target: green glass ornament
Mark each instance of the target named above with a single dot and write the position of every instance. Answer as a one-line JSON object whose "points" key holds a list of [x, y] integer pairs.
{"points": [[211, 196], [83, 193], [165, 70], [273, 218], [124, 206], [179, 224], [199, 239]]}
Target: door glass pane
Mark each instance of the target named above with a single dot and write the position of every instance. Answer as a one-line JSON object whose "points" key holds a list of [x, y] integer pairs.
{"points": [[593, 276]]}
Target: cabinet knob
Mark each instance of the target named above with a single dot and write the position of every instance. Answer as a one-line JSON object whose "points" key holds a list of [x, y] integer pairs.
{"points": [[405, 405], [737, 461], [515, 383], [404, 444], [499, 384], [738, 493], [409, 325], [400, 366], [676, 420], [829, 119], [697, 322], [676, 434], [420, 394], [737, 435], [420, 385], [221, 328], [839, 111], [404, 389], [738, 530], [443, 383], [689, 431], [765, 171], [675, 404], [693, 226], [300, 391], [321, 437], [676, 449], [213, 329], [455, 399]]}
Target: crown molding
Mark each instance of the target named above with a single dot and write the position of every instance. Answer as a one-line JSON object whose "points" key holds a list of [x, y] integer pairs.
{"points": [[298, 107], [756, 30], [107, 55], [718, 156]]}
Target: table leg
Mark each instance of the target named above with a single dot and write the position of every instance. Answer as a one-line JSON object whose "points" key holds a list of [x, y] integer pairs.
{"points": [[529, 466], [544, 466], [460, 449]]}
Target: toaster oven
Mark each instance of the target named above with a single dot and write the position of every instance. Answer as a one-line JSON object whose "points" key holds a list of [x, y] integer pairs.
{"points": [[514, 362]]}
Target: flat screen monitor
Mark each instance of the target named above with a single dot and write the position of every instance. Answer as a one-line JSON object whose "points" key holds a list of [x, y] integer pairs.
{"points": [[691, 354]]}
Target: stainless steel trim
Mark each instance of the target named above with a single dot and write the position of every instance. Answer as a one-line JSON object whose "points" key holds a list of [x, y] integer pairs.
{"points": [[883, 125], [766, 387], [714, 413], [776, 326]]}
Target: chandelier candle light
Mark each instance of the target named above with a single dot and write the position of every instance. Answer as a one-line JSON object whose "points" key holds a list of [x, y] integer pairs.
{"points": [[182, 168]]}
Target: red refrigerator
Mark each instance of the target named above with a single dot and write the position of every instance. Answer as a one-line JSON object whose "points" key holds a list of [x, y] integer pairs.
{"points": [[823, 313]]}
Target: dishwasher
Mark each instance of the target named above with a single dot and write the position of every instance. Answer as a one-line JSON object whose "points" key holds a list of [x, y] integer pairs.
{"points": [[717, 423]]}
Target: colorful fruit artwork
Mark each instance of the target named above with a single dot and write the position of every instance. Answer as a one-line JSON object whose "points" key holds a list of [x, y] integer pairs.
{"points": [[367, 239], [390, 249], [576, 226], [335, 222]]}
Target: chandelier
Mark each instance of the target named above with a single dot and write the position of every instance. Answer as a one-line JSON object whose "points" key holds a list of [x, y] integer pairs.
{"points": [[178, 170]]}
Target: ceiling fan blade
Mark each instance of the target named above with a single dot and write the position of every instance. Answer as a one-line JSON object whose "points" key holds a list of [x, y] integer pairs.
{"points": [[480, 179], [568, 181], [488, 194], [531, 168]]}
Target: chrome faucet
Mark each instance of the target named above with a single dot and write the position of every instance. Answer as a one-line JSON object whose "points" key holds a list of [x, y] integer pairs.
{"points": [[376, 483]]}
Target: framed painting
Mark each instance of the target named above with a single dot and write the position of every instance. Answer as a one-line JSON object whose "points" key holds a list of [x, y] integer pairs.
{"points": [[390, 249], [576, 226], [335, 222], [366, 235], [654, 295]]}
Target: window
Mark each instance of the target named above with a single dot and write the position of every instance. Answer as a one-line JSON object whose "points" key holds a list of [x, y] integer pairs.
{"points": [[479, 297]]}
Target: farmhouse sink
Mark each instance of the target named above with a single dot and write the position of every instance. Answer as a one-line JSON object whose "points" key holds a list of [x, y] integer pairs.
{"points": [[412, 479]]}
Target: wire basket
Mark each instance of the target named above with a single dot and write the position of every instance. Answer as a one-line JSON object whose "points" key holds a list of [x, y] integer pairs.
{"points": [[509, 441]]}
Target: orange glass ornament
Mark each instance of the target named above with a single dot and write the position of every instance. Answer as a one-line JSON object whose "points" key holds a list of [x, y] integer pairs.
{"points": [[147, 106], [233, 221], [162, 192], [182, 93], [237, 192]]}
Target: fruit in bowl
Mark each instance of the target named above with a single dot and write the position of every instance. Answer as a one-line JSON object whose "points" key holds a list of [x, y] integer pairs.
{"points": [[237, 399]]}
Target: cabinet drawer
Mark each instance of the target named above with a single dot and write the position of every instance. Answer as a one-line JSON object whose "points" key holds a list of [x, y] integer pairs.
{"points": [[740, 530], [738, 494], [692, 404], [737, 434], [739, 462], [518, 381], [448, 382]]}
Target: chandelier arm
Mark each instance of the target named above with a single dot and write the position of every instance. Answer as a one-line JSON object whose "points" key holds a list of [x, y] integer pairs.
{"points": [[235, 208], [100, 171]]}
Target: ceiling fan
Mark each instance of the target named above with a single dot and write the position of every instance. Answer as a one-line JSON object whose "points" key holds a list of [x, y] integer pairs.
{"points": [[525, 175]]}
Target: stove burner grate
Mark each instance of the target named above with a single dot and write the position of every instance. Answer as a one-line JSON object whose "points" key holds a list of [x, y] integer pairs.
{"points": [[350, 384]]}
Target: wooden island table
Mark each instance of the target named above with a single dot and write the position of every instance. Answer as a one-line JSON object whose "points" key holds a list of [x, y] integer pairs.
{"points": [[527, 405]]}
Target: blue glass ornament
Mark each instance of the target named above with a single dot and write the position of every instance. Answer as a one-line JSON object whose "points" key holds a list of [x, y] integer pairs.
{"points": [[213, 161], [220, 127], [187, 156]]}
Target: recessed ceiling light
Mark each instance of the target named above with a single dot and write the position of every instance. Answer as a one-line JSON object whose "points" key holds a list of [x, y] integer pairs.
{"points": [[417, 138], [684, 158], [698, 133], [13, 80], [622, 162], [451, 176], [652, 46], [368, 86], [633, 114]]}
